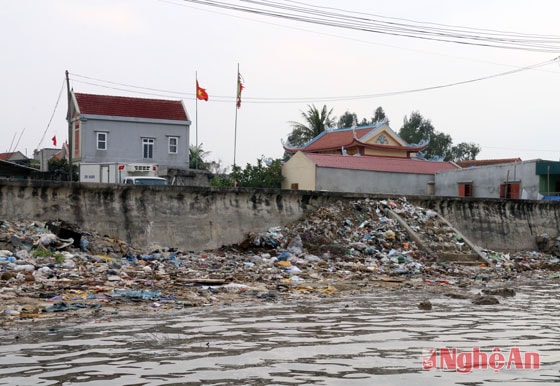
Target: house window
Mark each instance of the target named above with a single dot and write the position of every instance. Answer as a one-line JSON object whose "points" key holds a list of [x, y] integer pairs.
{"points": [[510, 190], [173, 145], [148, 148], [101, 140], [465, 189], [295, 186]]}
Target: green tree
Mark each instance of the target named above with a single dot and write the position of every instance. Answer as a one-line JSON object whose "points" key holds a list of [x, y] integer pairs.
{"points": [[439, 147], [379, 115], [197, 157], [347, 120], [267, 173], [221, 180], [464, 152], [416, 129], [316, 121], [59, 169], [262, 175]]}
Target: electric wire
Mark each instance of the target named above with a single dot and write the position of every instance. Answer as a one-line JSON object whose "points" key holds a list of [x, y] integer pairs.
{"points": [[52, 115], [331, 17], [345, 37], [267, 100]]}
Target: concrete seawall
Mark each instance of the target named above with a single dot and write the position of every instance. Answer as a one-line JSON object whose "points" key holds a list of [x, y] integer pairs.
{"points": [[196, 218], [506, 225]]}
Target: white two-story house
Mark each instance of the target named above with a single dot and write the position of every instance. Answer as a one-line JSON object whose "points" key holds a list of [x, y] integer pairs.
{"points": [[117, 129]]}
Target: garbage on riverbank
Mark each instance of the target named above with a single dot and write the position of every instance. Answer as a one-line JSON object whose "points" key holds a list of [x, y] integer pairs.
{"points": [[54, 267]]}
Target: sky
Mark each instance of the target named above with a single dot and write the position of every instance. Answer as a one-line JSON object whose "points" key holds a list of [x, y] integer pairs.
{"points": [[159, 48]]}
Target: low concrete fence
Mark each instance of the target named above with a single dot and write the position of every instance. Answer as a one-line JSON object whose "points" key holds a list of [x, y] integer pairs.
{"points": [[199, 218], [505, 225], [191, 218]]}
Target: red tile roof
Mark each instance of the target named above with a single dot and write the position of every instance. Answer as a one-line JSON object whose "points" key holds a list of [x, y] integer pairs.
{"points": [[119, 106], [336, 139], [380, 164], [15, 155], [484, 162]]}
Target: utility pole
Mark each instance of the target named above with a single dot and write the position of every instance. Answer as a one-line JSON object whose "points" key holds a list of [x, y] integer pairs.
{"points": [[69, 118]]}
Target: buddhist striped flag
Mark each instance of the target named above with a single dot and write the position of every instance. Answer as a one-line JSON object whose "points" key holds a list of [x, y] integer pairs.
{"points": [[240, 88]]}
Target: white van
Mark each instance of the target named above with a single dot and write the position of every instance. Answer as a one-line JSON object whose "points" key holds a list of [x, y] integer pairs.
{"points": [[144, 181]]}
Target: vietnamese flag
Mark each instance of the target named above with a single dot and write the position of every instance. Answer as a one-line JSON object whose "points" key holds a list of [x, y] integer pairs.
{"points": [[53, 139], [201, 93]]}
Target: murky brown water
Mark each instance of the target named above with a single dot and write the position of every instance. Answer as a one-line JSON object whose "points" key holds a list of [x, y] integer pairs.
{"points": [[376, 339]]}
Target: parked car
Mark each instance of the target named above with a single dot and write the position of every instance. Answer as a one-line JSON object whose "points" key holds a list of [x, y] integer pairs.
{"points": [[145, 181]]}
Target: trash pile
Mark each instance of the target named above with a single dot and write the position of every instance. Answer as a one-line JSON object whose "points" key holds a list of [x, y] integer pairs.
{"points": [[439, 237], [54, 267]]}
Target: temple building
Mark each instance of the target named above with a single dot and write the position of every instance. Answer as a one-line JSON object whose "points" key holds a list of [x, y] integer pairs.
{"points": [[364, 159]]}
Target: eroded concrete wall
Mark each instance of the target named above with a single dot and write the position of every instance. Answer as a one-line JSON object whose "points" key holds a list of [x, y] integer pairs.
{"points": [[191, 218], [197, 218], [506, 225]]}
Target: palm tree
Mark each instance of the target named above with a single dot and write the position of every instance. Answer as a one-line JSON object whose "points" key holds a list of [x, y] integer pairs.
{"points": [[196, 157], [316, 122]]}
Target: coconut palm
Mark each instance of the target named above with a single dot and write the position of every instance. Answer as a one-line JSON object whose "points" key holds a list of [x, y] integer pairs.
{"points": [[315, 123], [196, 157]]}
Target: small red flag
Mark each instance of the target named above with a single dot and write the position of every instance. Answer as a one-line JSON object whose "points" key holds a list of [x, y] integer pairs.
{"points": [[54, 140], [201, 93]]}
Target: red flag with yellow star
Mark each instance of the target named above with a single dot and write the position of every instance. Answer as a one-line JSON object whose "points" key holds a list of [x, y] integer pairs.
{"points": [[201, 93]]}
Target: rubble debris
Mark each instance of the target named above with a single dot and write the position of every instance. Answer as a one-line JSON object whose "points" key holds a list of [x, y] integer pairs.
{"points": [[503, 292], [546, 244], [348, 246], [457, 295], [485, 300], [425, 305]]}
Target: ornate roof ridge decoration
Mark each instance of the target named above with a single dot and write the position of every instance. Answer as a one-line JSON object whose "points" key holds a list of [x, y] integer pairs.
{"points": [[291, 147], [356, 136], [422, 144]]}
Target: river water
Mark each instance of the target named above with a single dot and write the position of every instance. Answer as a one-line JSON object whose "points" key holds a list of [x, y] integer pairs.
{"points": [[376, 339]]}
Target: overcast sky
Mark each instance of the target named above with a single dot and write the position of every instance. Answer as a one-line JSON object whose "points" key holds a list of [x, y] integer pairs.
{"points": [[157, 49]]}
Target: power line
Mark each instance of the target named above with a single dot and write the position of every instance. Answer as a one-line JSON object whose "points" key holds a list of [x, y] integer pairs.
{"points": [[52, 115], [364, 22], [149, 91], [345, 37], [265, 100]]}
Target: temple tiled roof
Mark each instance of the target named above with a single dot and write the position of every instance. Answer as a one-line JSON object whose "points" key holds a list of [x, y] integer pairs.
{"points": [[337, 139], [381, 164]]}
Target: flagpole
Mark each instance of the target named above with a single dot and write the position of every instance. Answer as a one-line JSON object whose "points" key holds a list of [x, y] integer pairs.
{"points": [[236, 108], [196, 115], [69, 117]]}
